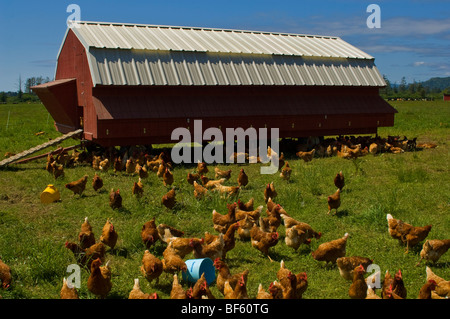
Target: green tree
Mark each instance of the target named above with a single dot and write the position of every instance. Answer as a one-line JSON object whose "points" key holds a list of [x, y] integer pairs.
{"points": [[402, 86], [3, 97]]}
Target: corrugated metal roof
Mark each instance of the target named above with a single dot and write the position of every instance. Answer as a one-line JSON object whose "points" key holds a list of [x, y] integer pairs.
{"points": [[125, 54], [142, 67], [170, 38]]}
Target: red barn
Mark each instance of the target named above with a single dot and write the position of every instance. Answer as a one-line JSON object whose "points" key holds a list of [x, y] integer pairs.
{"points": [[128, 84], [446, 97]]}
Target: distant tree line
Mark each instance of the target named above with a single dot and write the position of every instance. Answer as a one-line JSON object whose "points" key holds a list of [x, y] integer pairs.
{"points": [[24, 92], [415, 90]]}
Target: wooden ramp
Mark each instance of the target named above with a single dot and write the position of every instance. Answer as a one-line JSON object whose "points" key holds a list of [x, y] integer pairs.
{"points": [[38, 148]]}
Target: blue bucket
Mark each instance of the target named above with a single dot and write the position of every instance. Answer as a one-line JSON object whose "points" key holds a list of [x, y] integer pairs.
{"points": [[196, 267]]}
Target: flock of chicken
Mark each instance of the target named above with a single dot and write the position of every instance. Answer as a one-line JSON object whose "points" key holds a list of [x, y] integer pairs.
{"points": [[242, 221]]}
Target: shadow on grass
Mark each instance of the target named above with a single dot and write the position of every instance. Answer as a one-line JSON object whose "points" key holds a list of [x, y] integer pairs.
{"points": [[119, 252], [11, 169], [123, 210], [341, 213], [439, 264]]}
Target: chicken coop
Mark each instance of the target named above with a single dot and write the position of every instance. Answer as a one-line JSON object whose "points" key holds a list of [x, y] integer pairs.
{"points": [[131, 84]]}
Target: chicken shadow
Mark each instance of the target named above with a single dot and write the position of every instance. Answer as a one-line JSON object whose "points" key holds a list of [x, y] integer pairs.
{"points": [[341, 213], [119, 252], [123, 210], [439, 264]]}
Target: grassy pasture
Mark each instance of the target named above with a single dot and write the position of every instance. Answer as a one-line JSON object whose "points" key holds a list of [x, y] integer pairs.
{"points": [[412, 186]]}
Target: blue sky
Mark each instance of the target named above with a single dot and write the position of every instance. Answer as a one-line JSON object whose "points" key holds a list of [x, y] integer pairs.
{"points": [[413, 41]]}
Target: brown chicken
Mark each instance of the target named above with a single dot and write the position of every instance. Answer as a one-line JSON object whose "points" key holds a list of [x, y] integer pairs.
{"points": [[427, 288], [373, 148], [302, 284], [286, 172], [245, 226], [202, 168], [393, 287], [427, 145], [149, 233], [346, 265], [240, 289], [118, 166], [262, 294], [358, 288], [167, 177], [331, 251], [172, 262], [399, 286], [109, 235], [152, 267], [57, 169], [137, 293], [161, 169], [68, 292], [248, 206], [339, 180], [86, 236], [229, 191], [96, 162], [443, 286], [5, 275], [104, 165], [242, 178], [200, 290], [229, 239], [288, 282], [191, 178], [222, 222], [142, 171], [138, 188], [224, 274], [371, 294], [306, 156], [78, 186], [263, 240], [294, 237], [115, 199], [281, 161], [406, 233], [167, 232], [169, 199], [334, 201], [270, 192], [85, 257], [212, 250], [273, 219], [252, 214], [48, 165], [387, 286], [130, 166], [97, 182], [310, 232], [99, 281], [210, 184], [199, 191], [222, 173], [433, 249], [177, 291], [275, 291]]}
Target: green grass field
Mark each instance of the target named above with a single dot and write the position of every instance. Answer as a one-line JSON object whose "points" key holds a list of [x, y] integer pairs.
{"points": [[412, 186]]}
